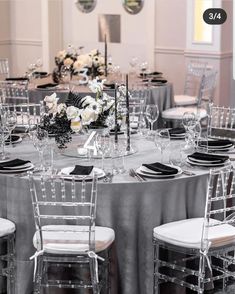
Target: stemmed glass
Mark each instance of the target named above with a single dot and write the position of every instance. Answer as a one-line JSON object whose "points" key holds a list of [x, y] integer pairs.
{"points": [[143, 67], [133, 63], [189, 122], [162, 141], [40, 142], [151, 113], [103, 145], [4, 133]]}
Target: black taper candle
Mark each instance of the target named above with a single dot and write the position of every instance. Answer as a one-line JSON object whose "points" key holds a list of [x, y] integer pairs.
{"points": [[105, 56], [128, 147], [115, 110]]}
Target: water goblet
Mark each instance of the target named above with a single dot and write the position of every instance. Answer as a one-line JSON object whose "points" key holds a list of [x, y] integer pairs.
{"points": [[40, 142], [151, 114], [4, 133], [162, 141], [189, 122], [102, 144]]}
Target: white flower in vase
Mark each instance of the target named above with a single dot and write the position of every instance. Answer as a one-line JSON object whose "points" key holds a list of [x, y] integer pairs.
{"points": [[68, 62], [73, 112], [61, 55], [87, 100], [51, 103], [96, 86], [61, 108], [88, 116]]}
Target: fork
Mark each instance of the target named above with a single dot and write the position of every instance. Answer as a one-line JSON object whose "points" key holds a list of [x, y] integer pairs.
{"points": [[133, 174]]}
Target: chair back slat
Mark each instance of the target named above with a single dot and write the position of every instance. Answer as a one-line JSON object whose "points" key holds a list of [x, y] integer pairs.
{"points": [[14, 92], [221, 122], [4, 68], [207, 87]]}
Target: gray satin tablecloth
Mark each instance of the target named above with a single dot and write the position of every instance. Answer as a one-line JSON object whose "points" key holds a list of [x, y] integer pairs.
{"points": [[131, 208]]}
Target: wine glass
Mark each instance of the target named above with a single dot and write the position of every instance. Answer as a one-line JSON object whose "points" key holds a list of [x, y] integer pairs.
{"points": [[4, 133], [103, 145], [143, 67], [39, 63], [151, 114], [40, 142], [162, 141], [189, 122]]}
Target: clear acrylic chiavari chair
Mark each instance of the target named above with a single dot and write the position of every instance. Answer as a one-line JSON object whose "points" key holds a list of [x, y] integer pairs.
{"points": [[67, 236], [27, 114], [4, 68], [7, 236], [14, 92], [221, 122], [203, 247], [193, 81]]}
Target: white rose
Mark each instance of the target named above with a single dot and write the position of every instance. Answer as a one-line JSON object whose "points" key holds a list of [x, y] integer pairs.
{"points": [[87, 100], [61, 107], [76, 125], [88, 116], [51, 103], [61, 55], [73, 112], [84, 60], [96, 85], [93, 52], [68, 62]]}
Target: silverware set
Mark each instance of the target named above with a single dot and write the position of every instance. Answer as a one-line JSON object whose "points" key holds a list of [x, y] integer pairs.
{"points": [[138, 177]]}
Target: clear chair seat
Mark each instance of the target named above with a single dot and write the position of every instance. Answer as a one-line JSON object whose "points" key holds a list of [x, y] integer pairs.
{"points": [[7, 227], [176, 113], [63, 239], [181, 100], [188, 233]]}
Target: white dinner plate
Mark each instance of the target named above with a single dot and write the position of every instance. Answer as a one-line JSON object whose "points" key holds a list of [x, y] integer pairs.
{"points": [[22, 168], [175, 136], [155, 175], [206, 164], [65, 173]]}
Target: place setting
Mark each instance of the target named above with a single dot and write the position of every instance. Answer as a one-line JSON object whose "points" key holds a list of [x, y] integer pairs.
{"points": [[12, 166]]}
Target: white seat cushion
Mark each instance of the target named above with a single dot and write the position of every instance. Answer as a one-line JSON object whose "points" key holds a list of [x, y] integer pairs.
{"points": [[181, 100], [176, 113], [187, 233], [7, 227], [58, 239]]}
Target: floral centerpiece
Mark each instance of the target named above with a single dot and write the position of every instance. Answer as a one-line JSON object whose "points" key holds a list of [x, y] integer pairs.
{"points": [[64, 61], [77, 113], [90, 64]]}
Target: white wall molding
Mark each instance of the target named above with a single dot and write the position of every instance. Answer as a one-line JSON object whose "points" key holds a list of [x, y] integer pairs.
{"points": [[193, 53], [22, 42], [167, 50]]}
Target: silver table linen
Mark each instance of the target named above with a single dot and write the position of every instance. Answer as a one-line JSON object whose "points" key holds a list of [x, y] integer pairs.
{"points": [[131, 208]]}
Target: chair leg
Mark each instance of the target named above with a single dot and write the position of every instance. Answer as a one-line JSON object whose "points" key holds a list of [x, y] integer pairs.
{"points": [[38, 276], [156, 269], [94, 275], [107, 272], [11, 265], [201, 276]]}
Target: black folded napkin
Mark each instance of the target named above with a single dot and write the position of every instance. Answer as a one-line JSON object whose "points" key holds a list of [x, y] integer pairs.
{"points": [[154, 73], [161, 168], [176, 131], [40, 73], [159, 80], [109, 85], [17, 79], [48, 85], [208, 157], [12, 139], [82, 170], [216, 143], [12, 163]]}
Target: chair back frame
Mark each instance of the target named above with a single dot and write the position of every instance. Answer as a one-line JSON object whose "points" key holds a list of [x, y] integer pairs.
{"points": [[56, 201]]}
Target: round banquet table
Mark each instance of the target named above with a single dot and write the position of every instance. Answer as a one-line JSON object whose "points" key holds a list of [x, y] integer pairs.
{"points": [[130, 207]]}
